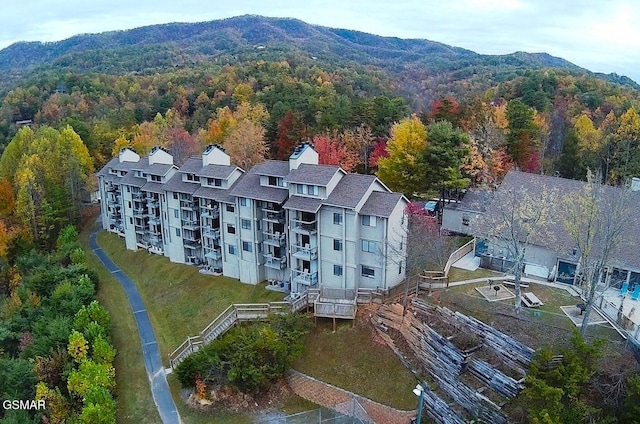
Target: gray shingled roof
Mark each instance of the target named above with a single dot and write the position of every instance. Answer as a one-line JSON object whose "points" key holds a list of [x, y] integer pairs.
{"points": [[475, 200], [192, 165], [553, 234], [350, 190], [124, 166], [154, 187], [249, 186], [158, 169], [305, 204], [313, 174], [217, 194], [175, 184], [131, 180], [217, 171], [381, 204], [105, 169], [272, 168]]}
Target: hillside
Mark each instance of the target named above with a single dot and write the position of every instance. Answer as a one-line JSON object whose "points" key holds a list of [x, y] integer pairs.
{"points": [[424, 69]]}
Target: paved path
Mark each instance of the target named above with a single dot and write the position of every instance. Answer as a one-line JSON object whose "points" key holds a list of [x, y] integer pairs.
{"points": [[342, 401], [157, 378]]}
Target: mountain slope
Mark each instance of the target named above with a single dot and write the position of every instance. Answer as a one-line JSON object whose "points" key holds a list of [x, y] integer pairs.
{"points": [[424, 69]]}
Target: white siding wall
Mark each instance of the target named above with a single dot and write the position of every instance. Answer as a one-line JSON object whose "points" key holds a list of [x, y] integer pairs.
{"points": [[230, 263], [127, 212], [176, 248]]}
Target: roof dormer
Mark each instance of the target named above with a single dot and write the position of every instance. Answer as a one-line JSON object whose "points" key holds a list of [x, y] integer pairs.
{"points": [[128, 155], [303, 153], [160, 155], [215, 154]]}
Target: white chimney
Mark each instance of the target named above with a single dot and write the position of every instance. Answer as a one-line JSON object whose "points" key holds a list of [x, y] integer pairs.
{"points": [[160, 155]]}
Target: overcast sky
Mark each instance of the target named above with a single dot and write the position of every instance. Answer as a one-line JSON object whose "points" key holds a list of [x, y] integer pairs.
{"points": [[602, 36]]}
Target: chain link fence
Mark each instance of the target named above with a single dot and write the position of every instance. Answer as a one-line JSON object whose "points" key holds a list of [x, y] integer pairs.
{"points": [[321, 416]]}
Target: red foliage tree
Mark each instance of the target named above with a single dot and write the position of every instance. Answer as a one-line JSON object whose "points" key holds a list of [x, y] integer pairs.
{"points": [[446, 109], [290, 132], [332, 151], [379, 151]]}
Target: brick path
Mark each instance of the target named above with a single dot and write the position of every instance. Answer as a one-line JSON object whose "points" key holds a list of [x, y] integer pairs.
{"points": [[341, 400]]}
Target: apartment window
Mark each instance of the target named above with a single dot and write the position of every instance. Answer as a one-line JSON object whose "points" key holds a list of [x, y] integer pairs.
{"points": [[273, 181], [368, 272], [231, 248], [300, 189], [129, 204], [337, 218], [155, 178], [243, 201], [175, 196], [247, 246], [130, 220], [369, 220], [231, 229], [176, 213], [190, 177], [337, 245], [178, 232], [217, 182], [369, 246], [246, 224], [337, 270], [231, 208], [311, 190], [400, 268], [128, 189]]}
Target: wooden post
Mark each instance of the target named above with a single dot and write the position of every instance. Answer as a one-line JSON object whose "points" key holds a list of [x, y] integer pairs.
{"points": [[334, 324]]}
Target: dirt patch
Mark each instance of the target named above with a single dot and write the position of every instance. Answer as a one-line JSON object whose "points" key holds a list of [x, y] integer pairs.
{"points": [[230, 399]]}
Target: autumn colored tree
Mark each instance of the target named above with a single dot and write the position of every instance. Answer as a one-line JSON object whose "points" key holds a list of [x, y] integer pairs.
{"points": [[379, 151], [290, 132], [446, 109], [333, 151], [246, 144], [404, 169], [626, 147]]}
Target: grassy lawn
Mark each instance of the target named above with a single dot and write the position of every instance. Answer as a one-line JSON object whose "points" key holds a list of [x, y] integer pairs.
{"points": [[352, 360], [135, 403], [180, 301], [537, 327], [457, 274]]}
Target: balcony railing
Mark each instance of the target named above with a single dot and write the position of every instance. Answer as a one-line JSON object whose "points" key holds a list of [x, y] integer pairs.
{"points": [[276, 217], [186, 205], [112, 188], [192, 244], [137, 195], [152, 203], [274, 239], [302, 228], [305, 253], [275, 262], [212, 213], [190, 224], [305, 277], [113, 201], [140, 213], [213, 233], [215, 254]]}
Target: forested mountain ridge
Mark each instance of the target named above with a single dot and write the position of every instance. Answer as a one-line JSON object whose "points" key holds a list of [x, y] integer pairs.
{"points": [[245, 38]]}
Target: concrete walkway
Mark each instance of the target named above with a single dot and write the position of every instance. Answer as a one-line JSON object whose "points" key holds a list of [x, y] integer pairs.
{"points": [[157, 378], [344, 402]]}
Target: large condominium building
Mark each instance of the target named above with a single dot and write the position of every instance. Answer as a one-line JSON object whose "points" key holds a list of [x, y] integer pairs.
{"points": [[294, 223]]}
